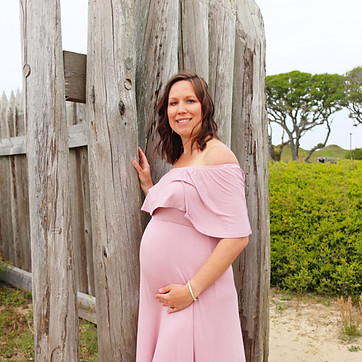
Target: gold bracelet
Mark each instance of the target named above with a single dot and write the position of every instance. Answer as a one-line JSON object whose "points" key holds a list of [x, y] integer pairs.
{"points": [[192, 293]]}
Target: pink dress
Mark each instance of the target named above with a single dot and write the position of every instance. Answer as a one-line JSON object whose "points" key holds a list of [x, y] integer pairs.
{"points": [[192, 208]]}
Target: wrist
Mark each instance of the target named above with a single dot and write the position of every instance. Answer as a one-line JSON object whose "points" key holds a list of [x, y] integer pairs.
{"points": [[191, 290]]}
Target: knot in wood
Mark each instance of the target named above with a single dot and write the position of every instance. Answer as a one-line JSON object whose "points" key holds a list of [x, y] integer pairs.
{"points": [[121, 108], [129, 63], [128, 84], [26, 70]]}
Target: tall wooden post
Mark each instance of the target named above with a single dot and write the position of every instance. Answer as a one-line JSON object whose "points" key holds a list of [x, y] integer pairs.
{"points": [[112, 146], [157, 61], [54, 295], [249, 142]]}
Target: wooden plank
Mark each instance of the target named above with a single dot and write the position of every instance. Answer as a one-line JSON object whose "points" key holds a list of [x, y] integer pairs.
{"points": [[12, 146], [221, 67], [194, 34], [22, 279], [20, 170], [249, 143], [22, 212], [80, 201], [6, 230], [54, 293], [157, 60], [80, 221], [87, 307], [75, 69], [77, 137], [112, 146], [14, 245], [17, 278]]}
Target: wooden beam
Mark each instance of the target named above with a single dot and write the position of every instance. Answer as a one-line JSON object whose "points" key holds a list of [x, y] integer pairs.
{"points": [[75, 66], [22, 279], [16, 277], [12, 146], [77, 137]]}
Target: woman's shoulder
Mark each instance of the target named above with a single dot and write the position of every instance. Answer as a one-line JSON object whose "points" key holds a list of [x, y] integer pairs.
{"points": [[217, 153]]}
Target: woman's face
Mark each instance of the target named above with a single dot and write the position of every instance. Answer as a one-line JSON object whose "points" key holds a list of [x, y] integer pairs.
{"points": [[184, 110]]}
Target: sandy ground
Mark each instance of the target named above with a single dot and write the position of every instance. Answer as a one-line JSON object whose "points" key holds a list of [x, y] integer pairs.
{"points": [[308, 330]]}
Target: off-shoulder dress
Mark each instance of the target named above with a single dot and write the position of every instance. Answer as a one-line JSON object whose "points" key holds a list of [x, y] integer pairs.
{"points": [[192, 208]]}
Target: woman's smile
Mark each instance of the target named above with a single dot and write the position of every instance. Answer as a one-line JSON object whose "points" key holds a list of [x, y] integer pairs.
{"points": [[183, 120]]}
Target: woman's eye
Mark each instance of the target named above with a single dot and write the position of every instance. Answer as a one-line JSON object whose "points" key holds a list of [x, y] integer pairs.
{"points": [[191, 101], [173, 103]]}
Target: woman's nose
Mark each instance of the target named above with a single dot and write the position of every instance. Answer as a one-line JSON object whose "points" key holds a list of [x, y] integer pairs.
{"points": [[181, 108]]}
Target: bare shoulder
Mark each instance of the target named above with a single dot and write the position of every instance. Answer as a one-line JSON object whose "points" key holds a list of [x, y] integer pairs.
{"points": [[217, 153]]}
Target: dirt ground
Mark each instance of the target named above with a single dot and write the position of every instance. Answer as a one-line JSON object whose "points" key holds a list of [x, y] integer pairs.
{"points": [[309, 330]]}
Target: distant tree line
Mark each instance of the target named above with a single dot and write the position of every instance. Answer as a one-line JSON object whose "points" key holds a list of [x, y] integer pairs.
{"points": [[298, 102]]}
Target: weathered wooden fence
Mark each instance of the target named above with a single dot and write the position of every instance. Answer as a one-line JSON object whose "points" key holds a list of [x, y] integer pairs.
{"points": [[84, 203], [15, 245]]}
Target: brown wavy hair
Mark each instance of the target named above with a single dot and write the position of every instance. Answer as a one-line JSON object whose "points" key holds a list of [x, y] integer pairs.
{"points": [[170, 144]]}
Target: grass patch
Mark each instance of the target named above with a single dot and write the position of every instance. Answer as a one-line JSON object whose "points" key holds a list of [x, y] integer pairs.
{"points": [[354, 348], [88, 343], [16, 320], [16, 325]]}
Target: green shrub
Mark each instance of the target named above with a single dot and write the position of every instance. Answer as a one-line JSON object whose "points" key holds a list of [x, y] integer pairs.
{"points": [[355, 154], [315, 227]]}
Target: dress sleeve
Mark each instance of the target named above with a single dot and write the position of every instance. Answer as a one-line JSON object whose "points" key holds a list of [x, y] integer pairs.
{"points": [[215, 202]]}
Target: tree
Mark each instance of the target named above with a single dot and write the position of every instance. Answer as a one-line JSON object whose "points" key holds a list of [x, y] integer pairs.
{"points": [[354, 94], [300, 101]]}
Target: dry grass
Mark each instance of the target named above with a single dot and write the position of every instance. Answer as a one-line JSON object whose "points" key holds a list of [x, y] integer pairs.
{"points": [[351, 316]]}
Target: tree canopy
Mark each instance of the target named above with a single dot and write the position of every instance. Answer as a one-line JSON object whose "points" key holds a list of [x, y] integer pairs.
{"points": [[354, 94], [300, 101]]}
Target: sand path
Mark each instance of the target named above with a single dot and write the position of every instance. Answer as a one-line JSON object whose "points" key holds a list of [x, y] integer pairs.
{"points": [[308, 330]]}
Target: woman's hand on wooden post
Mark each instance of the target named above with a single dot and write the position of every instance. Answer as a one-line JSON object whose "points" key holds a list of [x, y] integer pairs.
{"points": [[144, 171]]}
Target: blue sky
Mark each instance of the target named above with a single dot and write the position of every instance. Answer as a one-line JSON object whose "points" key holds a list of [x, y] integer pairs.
{"points": [[315, 36]]}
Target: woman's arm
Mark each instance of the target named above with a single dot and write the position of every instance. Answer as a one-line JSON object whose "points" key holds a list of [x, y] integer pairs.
{"points": [[179, 297], [144, 171]]}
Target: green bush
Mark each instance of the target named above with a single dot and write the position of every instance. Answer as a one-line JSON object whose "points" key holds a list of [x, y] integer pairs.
{"points": [[316, 228], [355, 154]]}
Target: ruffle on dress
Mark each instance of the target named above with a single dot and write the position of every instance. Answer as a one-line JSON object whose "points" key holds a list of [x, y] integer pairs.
{"points": [[212, 197]]}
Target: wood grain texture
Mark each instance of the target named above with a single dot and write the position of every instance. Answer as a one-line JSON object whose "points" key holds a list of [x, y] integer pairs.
{"points": [[193, 49], [14, 244], [54, 294], [75, 65], [221, 67], [157, 61], [80, 200], [22, 189], [249, 142], [6, 230], [112, 146]]}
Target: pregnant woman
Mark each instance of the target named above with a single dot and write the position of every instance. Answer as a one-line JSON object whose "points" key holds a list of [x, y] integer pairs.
{"points": [[188, 303]]}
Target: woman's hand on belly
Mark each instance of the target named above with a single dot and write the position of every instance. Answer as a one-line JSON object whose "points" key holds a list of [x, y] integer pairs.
{"points": [[175, 296]]}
